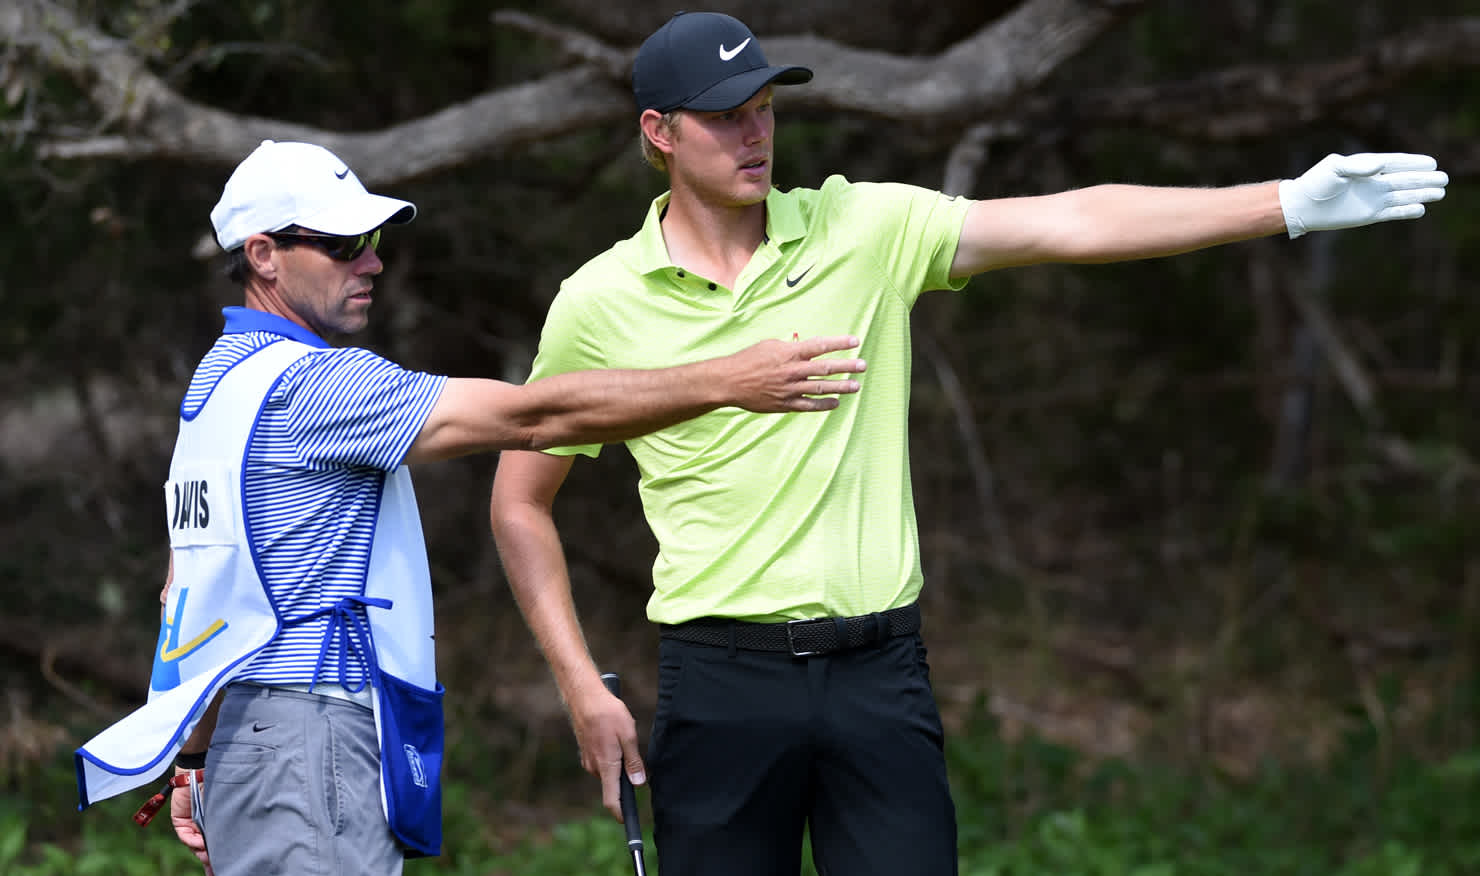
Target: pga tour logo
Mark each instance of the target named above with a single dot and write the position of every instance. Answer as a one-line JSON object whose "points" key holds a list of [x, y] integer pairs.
{"points": [[418, 771]]}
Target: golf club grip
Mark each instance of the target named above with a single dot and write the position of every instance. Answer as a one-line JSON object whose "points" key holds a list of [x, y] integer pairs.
{"points": [[628, 793]]}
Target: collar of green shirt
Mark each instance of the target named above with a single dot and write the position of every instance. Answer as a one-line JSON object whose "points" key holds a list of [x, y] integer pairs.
{"points": [[784, 222]]}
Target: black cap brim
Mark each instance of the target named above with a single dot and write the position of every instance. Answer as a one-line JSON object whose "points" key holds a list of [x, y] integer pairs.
{"points": [[730, 93]]}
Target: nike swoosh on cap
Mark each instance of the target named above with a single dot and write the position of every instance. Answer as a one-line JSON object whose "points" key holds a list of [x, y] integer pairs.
{"points": [[729, 54], [342, 173]]}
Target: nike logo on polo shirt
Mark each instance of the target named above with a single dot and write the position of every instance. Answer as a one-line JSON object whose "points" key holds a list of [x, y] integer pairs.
{"points": [[729, 54], [792, 281], [342, 174]]}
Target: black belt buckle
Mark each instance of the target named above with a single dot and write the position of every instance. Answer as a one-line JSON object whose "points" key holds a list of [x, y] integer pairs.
{"points": [[791, 642]]}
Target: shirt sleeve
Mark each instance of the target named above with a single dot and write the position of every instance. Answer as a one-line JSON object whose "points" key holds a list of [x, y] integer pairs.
{"points": [[912, 232], [350, 407], [568, 343]]}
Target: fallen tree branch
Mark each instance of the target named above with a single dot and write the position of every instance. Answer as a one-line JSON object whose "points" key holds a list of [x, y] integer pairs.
{"points": [[969, 155], [981, 79], [573, 44], [1254, 101], [144, 117]]}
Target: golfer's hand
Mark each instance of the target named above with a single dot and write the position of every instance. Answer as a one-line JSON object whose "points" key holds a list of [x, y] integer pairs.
{"points": [[779, 376], [1345, 191], [607, 735], [186, 829]]}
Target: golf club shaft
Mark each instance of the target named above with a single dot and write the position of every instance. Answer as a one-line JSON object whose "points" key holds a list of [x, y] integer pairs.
{"points": [[628, 794]]}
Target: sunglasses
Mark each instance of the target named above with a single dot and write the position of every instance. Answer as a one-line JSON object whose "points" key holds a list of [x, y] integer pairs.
{"points": [[338, 248]]}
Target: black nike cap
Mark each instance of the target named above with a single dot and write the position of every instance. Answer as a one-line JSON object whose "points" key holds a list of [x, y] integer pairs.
{"points": [[704, 61]]}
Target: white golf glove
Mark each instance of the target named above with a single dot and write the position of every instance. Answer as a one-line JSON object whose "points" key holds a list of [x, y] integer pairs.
{"points": [[1346, 191]]}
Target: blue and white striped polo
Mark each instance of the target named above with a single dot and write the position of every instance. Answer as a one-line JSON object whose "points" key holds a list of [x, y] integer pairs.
{"points": [[337, 422]]}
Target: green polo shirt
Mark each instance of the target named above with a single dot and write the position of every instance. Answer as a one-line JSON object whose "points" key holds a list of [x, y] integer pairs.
{"points": [[774, 516]]}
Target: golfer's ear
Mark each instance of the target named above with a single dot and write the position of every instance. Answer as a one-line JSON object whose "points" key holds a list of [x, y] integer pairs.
{"points": [[661, 135]]}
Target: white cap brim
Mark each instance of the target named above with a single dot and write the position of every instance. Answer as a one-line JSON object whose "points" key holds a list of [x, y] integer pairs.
{"points": [[359, 215], [284, 184]]}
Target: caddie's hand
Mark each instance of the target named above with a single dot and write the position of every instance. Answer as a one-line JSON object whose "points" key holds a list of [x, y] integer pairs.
{"points": [[183, 821], [607, 735], [778, 376], [1346, 191]]}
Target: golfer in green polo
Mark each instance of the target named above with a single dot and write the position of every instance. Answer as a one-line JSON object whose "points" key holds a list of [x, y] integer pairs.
{"points": [[793, 687]]}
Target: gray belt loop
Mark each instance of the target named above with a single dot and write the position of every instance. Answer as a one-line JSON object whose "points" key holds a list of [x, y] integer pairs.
{"points": [[733, 650], [881, 626]]}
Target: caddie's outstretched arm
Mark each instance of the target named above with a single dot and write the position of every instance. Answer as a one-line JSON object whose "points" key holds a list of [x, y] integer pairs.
{"points": [[593, 407], [1111, 223]]}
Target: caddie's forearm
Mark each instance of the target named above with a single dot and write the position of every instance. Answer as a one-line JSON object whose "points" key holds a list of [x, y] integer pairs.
{"points": [[590, 407], [200, 737], [164, 592]]}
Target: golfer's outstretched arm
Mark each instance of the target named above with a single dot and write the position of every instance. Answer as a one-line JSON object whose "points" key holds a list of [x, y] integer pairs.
{"points": [[520, 513], [1110, 223], [593, 407]]}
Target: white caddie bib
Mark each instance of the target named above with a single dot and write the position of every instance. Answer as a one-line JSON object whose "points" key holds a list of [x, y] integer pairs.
{"points": [[218, 612]]}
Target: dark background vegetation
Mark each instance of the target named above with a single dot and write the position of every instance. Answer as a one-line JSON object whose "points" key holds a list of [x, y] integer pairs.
{"points": [[1209, 514]]}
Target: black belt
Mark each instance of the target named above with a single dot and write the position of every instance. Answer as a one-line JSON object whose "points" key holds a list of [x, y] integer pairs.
{"points": [[801, 638]]}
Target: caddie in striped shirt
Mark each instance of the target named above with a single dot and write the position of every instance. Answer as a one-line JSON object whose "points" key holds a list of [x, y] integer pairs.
{"points": [[294, 684], [793, 688]]}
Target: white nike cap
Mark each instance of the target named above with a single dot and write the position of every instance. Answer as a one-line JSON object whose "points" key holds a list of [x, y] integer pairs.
{"points": [[283, 184]]}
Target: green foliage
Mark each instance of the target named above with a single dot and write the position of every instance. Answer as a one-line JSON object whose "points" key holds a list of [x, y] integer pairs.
{"points": [[596, 845], [1037, 808], [111, 847], [1026, 809]]}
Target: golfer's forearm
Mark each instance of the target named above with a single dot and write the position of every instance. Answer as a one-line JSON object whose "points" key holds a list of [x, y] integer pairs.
{"points": [[1111, 223], [1118, 222], [550, 614], [538, 577]]}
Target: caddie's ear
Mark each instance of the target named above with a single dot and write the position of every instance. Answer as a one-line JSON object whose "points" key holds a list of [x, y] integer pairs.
{"points": [[259, 249]]}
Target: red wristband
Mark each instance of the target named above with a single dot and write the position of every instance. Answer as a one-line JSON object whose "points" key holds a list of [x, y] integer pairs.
{"points": [[152, 806]]}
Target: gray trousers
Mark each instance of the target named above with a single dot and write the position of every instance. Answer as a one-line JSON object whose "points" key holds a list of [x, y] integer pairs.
{"points": [[292, 786]]}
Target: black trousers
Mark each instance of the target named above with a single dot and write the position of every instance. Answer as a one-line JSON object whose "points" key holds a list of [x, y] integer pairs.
{"points": [[750, 747]]}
